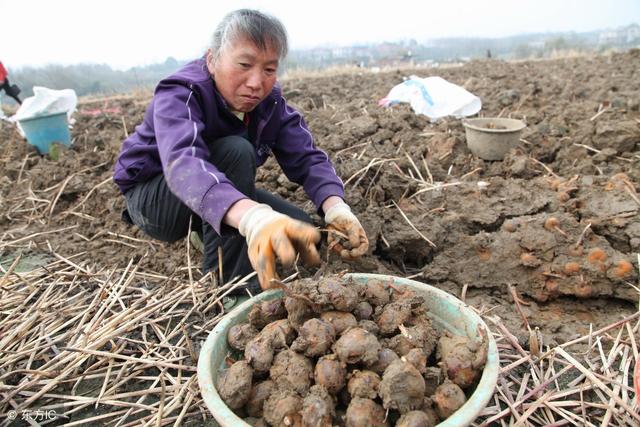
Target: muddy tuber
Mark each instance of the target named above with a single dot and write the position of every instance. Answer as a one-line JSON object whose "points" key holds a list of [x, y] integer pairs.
{"points": [[357, 345], [402, 387], [365, 413], [461, 358], [234, 384]]}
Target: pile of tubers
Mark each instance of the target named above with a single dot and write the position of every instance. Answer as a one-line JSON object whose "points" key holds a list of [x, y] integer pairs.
{"points": [[337, 352]]}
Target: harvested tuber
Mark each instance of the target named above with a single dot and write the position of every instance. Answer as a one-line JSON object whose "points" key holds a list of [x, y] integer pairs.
{"points": [[256, 422], [340, 320], [259, 351], [280, 332], [363, 384], [342, 297], [234, 384], [370, 326], [448, 398], [357, 345], [365, 413], [315, 338], [292, 371], [363, 311], [282, 408], [402, 387], [298, 311], [240, 334], [385, 357], [421, 336], [415, 419], [377, 293], [330, 373], [418, 359], [259, 393], [393, 315], [461, 358], [318, 408], [266, 312]]}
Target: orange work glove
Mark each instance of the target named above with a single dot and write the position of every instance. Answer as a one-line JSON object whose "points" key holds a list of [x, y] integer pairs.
{"points": [[341, 222], [271, 234]]}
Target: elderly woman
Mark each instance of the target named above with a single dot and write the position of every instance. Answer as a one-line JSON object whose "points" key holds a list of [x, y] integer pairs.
{"points": [[193, 159]]}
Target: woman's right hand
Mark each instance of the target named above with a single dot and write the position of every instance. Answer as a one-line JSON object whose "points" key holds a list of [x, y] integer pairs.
{"points": [[272, 235]]}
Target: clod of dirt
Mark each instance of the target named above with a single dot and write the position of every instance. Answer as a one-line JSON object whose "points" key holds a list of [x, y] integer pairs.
{"points": [[259, 393], [318, 408], [402, 387], [365, 413], [282, 408], [292, 370], [415, 419], [234, 384], [363, 384], [357, 345], [340, 320], [315, 338], [461, 358], [240, 334], [266, 312], [330, 373], [448, 398]]}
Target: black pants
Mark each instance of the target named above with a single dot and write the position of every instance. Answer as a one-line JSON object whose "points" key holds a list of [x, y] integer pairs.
{"points": [[159, 213], [11, 90]]}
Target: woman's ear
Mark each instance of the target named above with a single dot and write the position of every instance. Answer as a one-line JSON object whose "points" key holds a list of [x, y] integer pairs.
{"points": [[210, 60]]}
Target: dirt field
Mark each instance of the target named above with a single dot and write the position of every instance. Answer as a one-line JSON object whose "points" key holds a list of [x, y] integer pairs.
{"points": [[432, 210], [569, 168]]}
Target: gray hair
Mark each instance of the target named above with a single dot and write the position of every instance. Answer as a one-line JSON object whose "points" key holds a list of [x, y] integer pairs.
{"points": [[261, 29]]}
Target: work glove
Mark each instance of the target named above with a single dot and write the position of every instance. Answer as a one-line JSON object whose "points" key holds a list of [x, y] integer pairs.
{"points": [[346, 235], [271, 234]]}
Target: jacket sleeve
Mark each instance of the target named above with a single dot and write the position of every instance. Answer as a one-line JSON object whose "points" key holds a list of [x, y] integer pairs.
{"points": [[178, 123], [301, 161]]}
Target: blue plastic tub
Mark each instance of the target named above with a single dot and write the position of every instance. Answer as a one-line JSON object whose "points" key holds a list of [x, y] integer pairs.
{"points": [[446, 311], [42, 131]]}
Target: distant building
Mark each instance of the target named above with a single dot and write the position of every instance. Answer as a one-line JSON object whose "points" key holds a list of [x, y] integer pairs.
{"points": [[621, 36]]}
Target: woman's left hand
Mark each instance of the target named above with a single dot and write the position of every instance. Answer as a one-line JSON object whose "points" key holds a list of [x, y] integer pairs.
{"points": [[346, 235]]}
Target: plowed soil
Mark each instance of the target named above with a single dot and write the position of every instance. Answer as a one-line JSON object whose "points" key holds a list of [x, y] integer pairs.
{"points": [[558, 218]]}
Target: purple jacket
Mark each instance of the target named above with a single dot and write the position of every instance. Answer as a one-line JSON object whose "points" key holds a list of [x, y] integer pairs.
{"points": [[185, 113]]}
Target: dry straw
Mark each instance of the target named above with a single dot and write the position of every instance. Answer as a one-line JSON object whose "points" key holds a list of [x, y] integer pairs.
{"points": [[119, 347]]}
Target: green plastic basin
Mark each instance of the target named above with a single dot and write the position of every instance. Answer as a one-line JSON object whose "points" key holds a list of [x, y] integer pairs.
{"points": [[446, 311]]}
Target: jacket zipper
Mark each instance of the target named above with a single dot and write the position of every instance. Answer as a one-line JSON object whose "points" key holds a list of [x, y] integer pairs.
{"points": [[263, 123]]}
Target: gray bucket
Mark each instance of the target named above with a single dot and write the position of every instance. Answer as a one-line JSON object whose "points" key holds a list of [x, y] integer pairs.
{"points": [[446, 311], [491, 138]]}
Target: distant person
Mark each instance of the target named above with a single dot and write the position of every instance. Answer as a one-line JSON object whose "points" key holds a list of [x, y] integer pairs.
{"points": [[11, 90], [194, 157]]}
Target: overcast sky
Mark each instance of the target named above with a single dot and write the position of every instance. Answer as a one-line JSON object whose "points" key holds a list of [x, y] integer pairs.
{"points": [[125, 33]]}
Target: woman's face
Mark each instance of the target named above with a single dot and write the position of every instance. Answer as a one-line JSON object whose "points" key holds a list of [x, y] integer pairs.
{"points": [[244, 74]]}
